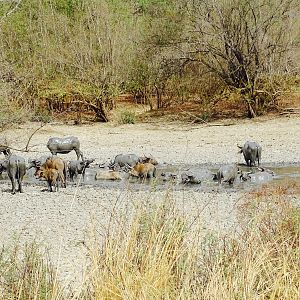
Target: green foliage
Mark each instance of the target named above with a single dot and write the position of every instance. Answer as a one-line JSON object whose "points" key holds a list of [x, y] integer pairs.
{"points": [[67, 7], [126, 117], [42, 115], [150, 47]]}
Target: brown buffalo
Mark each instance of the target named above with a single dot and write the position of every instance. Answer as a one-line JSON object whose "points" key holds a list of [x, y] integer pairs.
{"points": [[52, 177], [55, 163], [145, 170]]}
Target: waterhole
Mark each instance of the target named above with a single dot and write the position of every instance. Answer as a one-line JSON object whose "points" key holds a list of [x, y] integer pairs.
{"points": [[278, 175]]}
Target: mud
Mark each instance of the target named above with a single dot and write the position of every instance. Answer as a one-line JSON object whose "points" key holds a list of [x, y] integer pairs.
{"points": [[281, 174]]}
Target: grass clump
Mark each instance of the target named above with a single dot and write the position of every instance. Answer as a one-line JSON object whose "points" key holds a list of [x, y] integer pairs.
{"points": [[26, 273], [126, 117], [147, 260]]}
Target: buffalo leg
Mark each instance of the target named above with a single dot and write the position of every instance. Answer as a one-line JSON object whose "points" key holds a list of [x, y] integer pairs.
{"points": [[20, 185], [13, 184], [56, 185], [79, 154], [62, 178]]}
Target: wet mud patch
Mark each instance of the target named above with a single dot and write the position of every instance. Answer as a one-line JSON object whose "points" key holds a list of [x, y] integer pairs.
{"points": [[281, 174]]}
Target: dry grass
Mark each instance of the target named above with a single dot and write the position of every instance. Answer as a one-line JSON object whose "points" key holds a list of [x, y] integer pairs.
{"points": [[26, 273], [158, 256], [156, 253], [146, 259]]}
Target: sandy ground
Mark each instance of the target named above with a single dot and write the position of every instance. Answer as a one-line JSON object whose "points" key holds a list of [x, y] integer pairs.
{"points": [[62, 220]]}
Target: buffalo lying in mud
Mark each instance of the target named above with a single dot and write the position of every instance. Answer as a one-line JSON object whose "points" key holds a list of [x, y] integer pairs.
{"points": [[262, 176], [227, 173], [15, 167], [169, 176], [190, 177], [252, 153], [65, 145], [108, 175]]}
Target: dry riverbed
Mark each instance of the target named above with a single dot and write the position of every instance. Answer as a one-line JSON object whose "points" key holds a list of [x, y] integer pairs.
{"points": [[63, 220]]}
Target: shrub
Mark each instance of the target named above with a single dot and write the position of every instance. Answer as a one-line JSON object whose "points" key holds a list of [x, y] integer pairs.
{"points": [[126, 117]]}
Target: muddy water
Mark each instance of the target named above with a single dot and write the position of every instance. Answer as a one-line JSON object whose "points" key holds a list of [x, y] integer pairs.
{"points": [[282, 174]]}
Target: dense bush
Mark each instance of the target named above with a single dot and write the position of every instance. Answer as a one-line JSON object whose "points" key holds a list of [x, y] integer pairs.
{"points": [[163, 52]]}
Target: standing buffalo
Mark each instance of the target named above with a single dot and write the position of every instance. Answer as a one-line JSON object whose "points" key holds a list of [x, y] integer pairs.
{"points": [[124, 160], [143, 171], [55, 163], [16, 169], [251, 152], [130, 160], [65, 145], [148, 159], [37, 162], [52, 177], [78, 167]]}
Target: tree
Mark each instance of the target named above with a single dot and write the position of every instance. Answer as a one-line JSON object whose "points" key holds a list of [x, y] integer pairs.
{"points": [[241, 41]]}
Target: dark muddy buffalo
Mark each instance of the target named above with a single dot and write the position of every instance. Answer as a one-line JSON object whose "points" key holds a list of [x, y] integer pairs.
{"points": [[252, 153], [125, 160], [189, 177], [37, 162], [227, 173], [262, 176], [130, 160], [78, 167], [15, 167], [169, 176]]}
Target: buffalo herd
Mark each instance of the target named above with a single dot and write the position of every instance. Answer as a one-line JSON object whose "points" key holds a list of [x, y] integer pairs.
{"points": [[55, 171]]}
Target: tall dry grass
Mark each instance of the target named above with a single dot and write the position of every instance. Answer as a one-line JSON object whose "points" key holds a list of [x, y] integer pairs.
{"points": [[148, 258], [26, 273], [158, 253]]}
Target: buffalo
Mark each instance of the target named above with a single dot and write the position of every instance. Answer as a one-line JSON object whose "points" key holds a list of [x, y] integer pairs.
{"points": [[65, 145], [227, 173], [78, 167], [52, 177], [127, 161], [143, 171], [15, 167], [53, 163], [190, 177], [252, 153]]}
